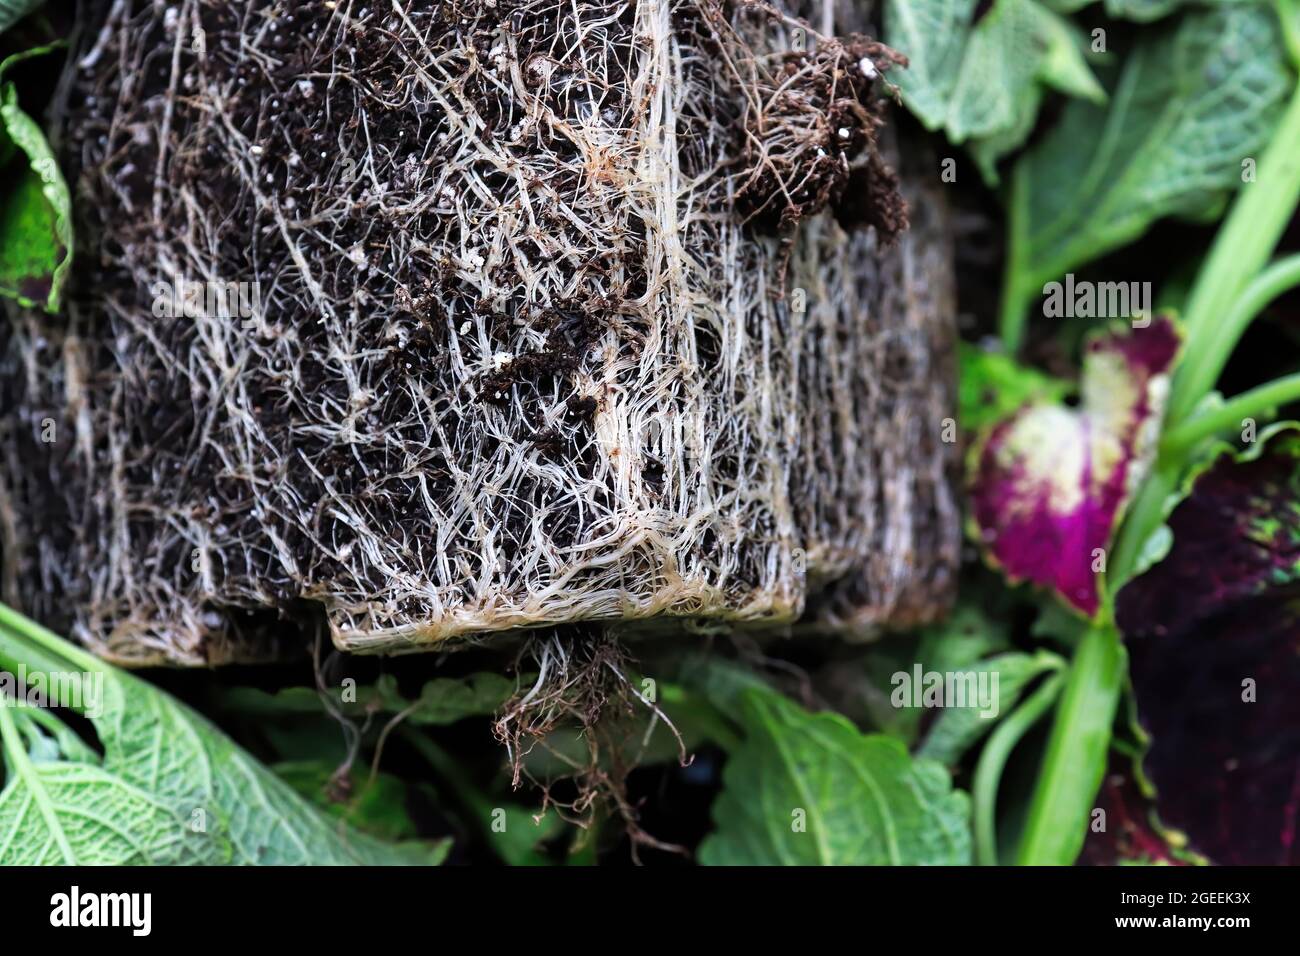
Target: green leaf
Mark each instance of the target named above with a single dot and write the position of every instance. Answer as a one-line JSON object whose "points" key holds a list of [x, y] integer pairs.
{"points": [[716, 679], [1145, 11], [957, 729], [1058, 624], [1142, 11], [377, 807], [446, 700], [982, 82], [811, 789], [516, 833], [967, 636], [993, 385], [513, 832], [443, 700], [11, 11], [1191, 103], [169, 788], [36, 208]]}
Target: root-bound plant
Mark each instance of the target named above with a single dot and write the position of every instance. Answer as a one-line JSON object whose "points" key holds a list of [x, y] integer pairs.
{"points": [[453, 318]]}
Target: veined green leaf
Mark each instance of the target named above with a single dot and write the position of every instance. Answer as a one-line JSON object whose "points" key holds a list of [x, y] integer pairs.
{"points": [[169, 788], [811, 789], [982, 82], [1193, 102]]}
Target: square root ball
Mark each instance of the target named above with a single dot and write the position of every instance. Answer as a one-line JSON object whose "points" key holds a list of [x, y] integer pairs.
{"points": [[457, 317]]}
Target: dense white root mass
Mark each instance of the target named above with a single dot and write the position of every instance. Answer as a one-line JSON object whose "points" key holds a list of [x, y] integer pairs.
{"points": [[555, 312]]}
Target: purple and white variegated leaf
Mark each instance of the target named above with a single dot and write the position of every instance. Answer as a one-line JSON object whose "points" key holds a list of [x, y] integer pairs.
{"points": [[1050, 482]]}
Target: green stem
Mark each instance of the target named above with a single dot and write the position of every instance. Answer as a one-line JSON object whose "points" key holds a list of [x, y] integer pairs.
{"points": [[1075, 760], [1286, 11], [1200, 372], [23, 641], [1241, 248], [1230, 290], [1015, 301], [1252, 404], [993, 758], [1077, 750]]}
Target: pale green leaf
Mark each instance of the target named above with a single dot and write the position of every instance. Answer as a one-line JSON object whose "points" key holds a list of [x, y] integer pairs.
{"points": [[516, 833], [169, 788]]}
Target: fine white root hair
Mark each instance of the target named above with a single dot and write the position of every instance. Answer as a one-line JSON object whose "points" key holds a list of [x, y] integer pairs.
{"points": [[579, 311]]}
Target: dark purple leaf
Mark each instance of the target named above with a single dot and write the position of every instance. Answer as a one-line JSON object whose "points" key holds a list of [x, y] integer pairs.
{"points": [[1130, 834], [1214, 642]]}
